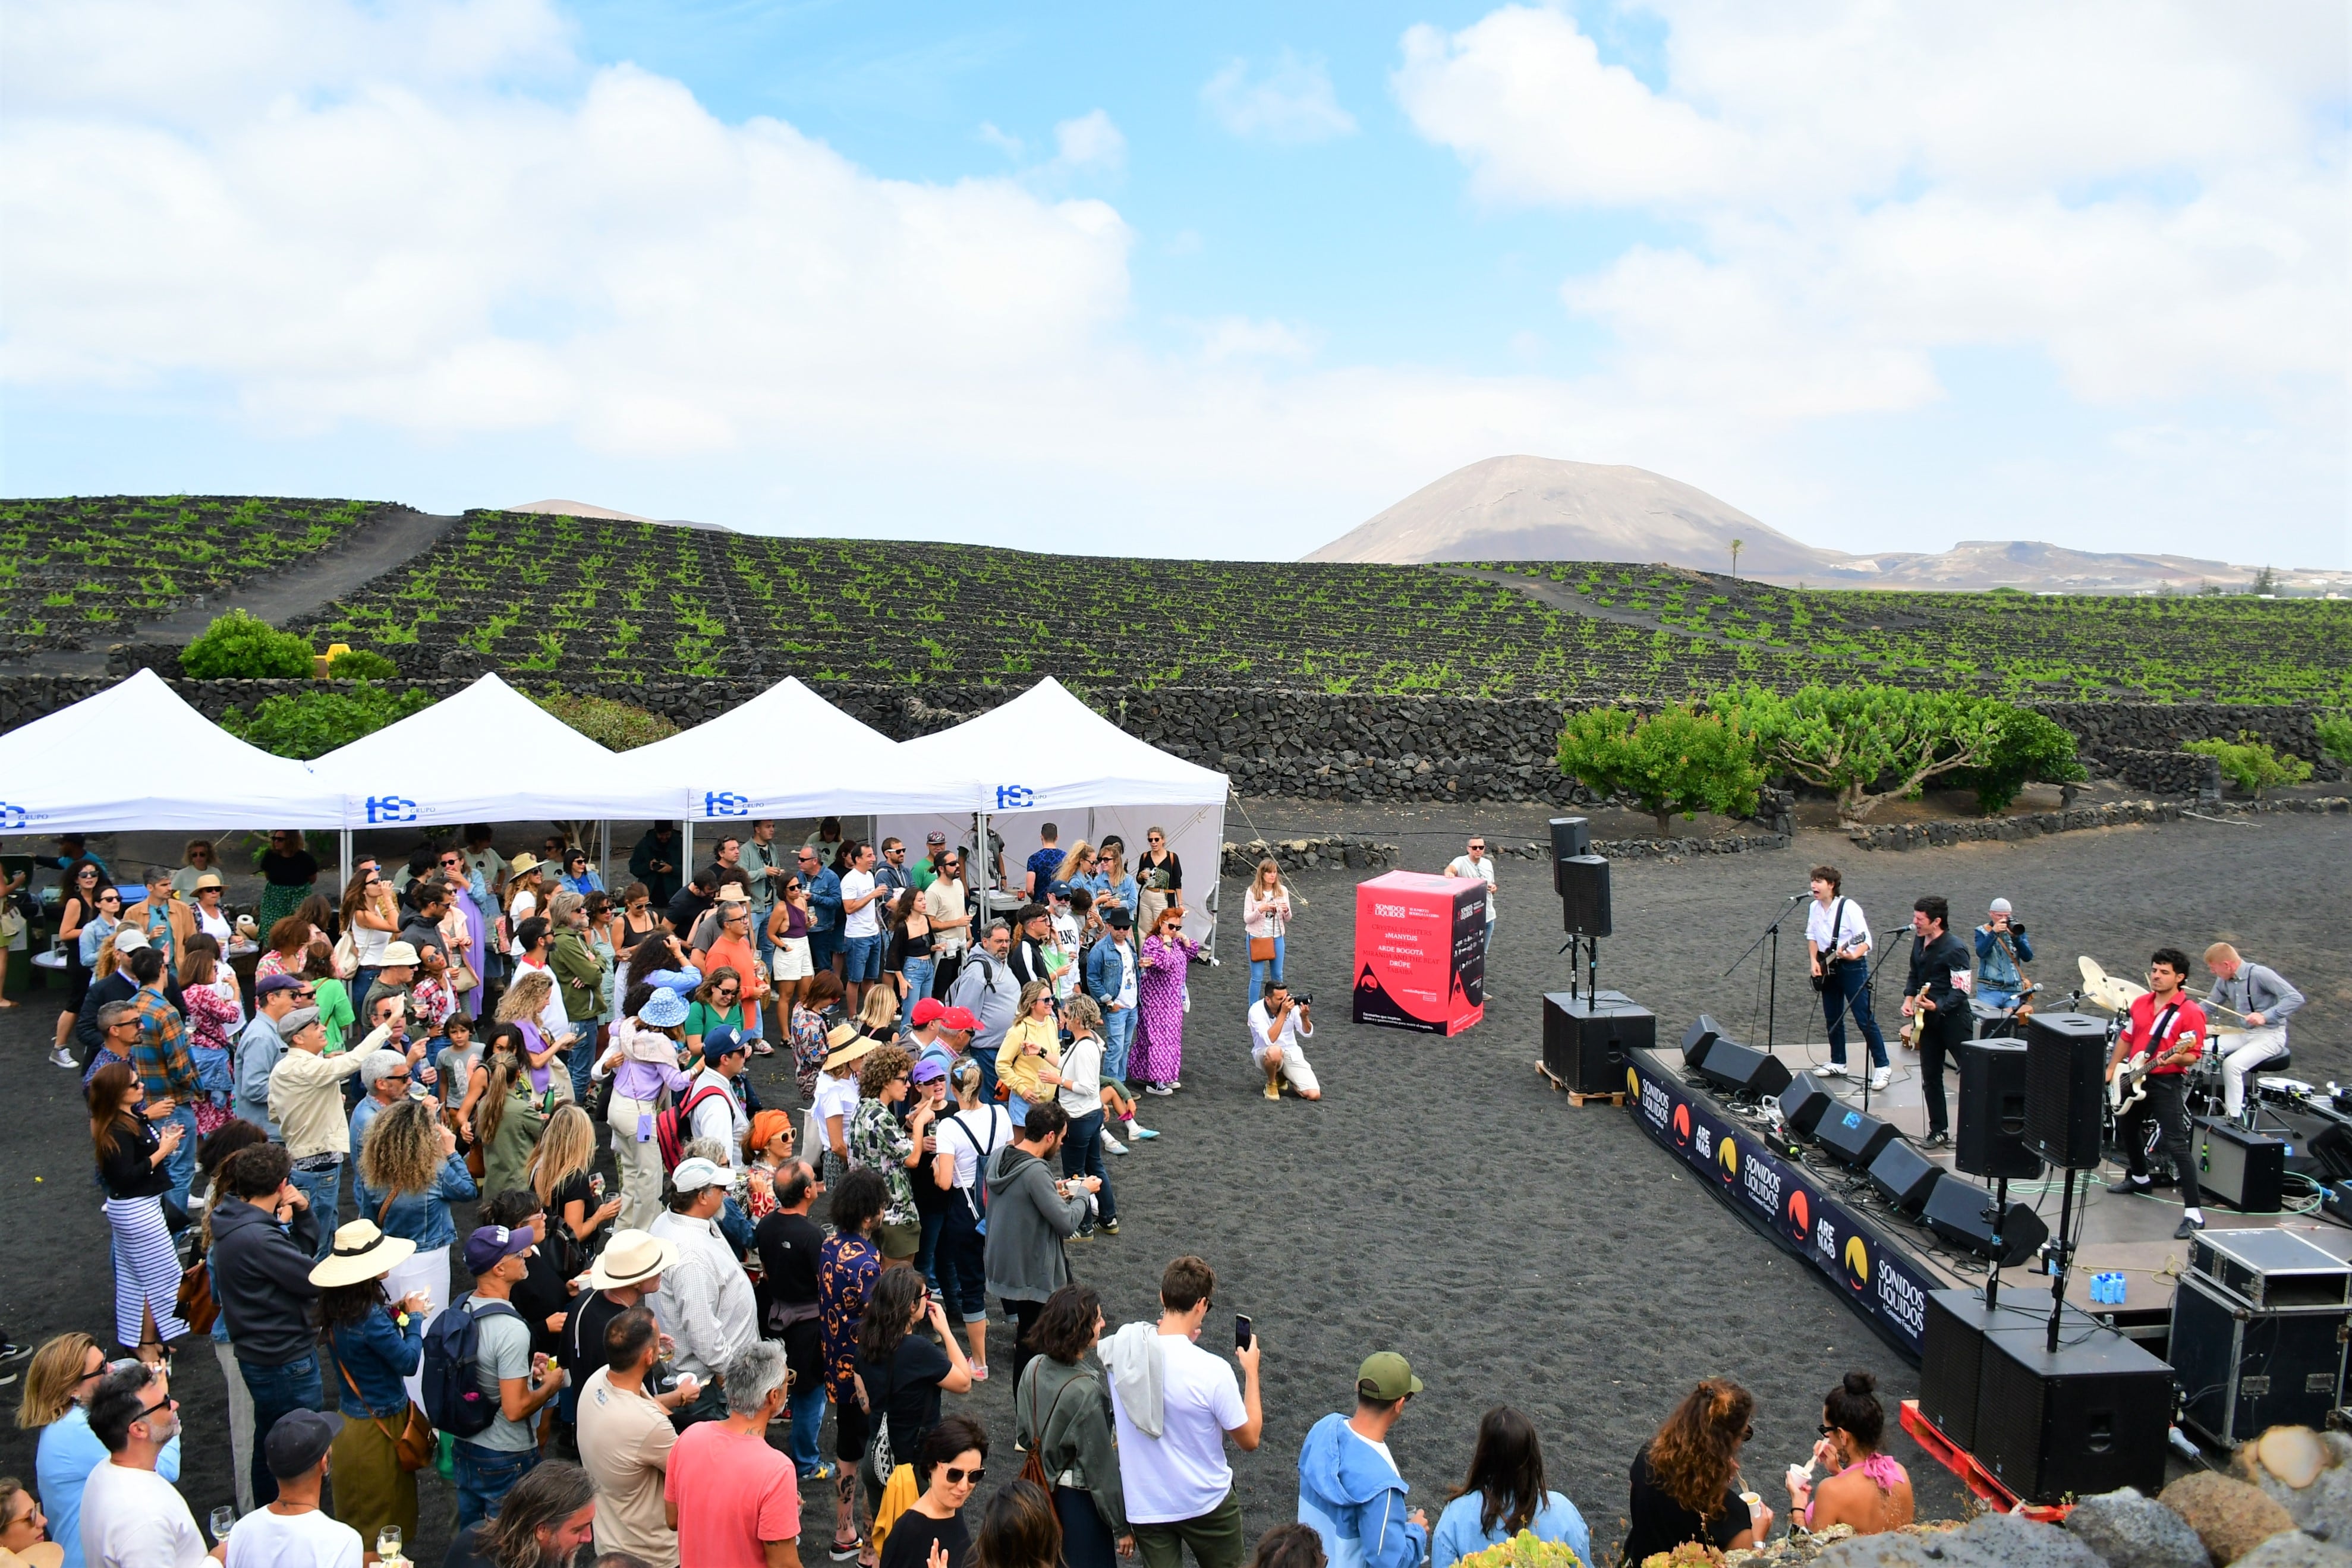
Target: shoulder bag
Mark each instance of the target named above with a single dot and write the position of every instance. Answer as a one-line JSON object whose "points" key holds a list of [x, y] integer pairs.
{"points": [[1033, 1468], [195, 1305], [414, 1446]]}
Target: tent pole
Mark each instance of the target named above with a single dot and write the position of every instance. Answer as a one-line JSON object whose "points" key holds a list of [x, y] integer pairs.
{"points": [[604, 854], [345, 838], [686, 859]]}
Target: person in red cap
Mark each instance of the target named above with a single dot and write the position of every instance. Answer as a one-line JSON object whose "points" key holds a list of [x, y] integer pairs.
{"points": [[946, 1037]]}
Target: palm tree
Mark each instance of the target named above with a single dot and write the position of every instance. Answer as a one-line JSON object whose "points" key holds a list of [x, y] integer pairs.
{"points": [[1736, 546]]}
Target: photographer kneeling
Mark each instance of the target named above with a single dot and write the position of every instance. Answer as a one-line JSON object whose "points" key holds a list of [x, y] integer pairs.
{"points": [[1277, 1025]]}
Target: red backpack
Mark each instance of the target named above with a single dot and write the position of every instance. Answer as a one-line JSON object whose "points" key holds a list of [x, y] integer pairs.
{"points": [[674, 1128]]}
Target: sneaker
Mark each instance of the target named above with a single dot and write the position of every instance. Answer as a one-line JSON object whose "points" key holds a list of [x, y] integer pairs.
{"points": [[1147, 1088], [822, 1473], [11, 1350], [1086, 1233], [979, 1372], [1138, 1130], [2135, 1184], [62, 1058], [1110, 1227], [1829, 1070], [1939, 1139], [1274, 1092], [762, 1049], [1881, 1077], [2187, 1228], [842, 1550], [1113, 1146], [1176, 1083]]}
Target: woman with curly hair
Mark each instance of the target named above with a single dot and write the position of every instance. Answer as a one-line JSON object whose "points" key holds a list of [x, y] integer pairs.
{"points": [[877, 1141], [523, 1006], [512, 1112], [1687, 1477], [1158, 1062], [409, 1174]]}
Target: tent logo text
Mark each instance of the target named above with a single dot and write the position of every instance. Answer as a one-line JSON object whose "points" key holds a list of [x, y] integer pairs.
{"points": [[1014, 797], [726, 803], [13, 816], [390, 808]]}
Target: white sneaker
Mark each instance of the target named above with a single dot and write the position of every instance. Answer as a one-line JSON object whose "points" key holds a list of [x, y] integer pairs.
{"points": [[1881, 1077], [62, 1058], [1829, 1070], [1113, 1144]]}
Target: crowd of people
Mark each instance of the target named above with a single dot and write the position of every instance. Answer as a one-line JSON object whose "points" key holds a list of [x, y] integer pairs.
{"points": [[647, 1372]]}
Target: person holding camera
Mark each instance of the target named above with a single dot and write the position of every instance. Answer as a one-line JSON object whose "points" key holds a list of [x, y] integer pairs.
{"points": [[1278, 1023]]}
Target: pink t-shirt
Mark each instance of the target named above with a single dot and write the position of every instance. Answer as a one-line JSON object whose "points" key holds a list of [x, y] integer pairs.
{"points": [[732, 1492]]}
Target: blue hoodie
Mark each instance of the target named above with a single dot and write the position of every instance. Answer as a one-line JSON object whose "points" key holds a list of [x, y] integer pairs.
{"points": [[1355, 1500]]}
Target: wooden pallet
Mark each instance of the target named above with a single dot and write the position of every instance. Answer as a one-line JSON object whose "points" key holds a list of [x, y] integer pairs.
{"points": [[1575, 1097], [1974, 1475]]}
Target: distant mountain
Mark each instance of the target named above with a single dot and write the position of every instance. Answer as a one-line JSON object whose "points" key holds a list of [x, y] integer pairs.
{"points": [[606, 514], [1544, 509]]}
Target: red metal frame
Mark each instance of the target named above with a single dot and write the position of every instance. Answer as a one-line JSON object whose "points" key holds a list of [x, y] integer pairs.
{"points": [[1973, 1475]]}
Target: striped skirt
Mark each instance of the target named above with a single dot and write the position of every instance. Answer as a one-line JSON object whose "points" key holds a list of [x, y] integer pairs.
{"points": [[146, 1270]]}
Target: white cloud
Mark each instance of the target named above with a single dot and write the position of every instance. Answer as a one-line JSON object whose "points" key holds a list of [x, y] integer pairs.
{"points": [[1240, 338], [1090, 143], [1293, 101]]}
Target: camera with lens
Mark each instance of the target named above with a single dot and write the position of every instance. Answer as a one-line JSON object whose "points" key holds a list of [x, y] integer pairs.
{"points": [[1303, 998]]}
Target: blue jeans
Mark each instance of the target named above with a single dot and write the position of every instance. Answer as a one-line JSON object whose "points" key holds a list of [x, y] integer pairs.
{"points": [[277, 1390], [1852, 991], [920, 973], [1264, 970], [1082, 1155], [961, 1260], [180, 1166], [325, 1191], [578, 1061], [1119, 1038], [807, 1407], [863, 958], [485, 1476], [926, 1254]]}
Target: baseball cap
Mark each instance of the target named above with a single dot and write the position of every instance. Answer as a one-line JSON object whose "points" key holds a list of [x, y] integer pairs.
{"points": [[494, 1244], [1386, 1375], [935, 836], [694, 1174], [296, 1021], [960, 1020], [929, 1069], [129, 939], [928, 1011], [296, 1441], [720, 1042], [267, 984], [1058, 889]]}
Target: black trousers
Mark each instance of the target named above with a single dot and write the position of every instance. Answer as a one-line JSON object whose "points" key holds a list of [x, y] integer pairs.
{"points": [[2162, 1118], [1025, 1316], [1936, 1042]]}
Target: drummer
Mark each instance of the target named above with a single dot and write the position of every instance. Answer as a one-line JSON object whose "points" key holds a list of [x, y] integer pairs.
{"points": [[2263, 1001], [2002, 946]]}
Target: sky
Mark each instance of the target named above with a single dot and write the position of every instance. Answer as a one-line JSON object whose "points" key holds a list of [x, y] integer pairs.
{"points": [[1210, 279]]}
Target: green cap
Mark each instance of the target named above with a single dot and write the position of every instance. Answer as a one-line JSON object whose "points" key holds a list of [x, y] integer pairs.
{"points": [[1386, 1375]]}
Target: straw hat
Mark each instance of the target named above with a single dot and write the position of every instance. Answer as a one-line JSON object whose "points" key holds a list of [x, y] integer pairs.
{"points": [[848, 1046], [399, 955], [526, 861], [629, 1257], [362, 1252], [40, 1554], [209, 879]]}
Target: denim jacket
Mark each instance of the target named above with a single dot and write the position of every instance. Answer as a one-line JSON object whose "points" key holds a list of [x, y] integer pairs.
{"points": [[824, 901], [421, 1217], [1994, 965], [1103, 970], [377, 1352]]}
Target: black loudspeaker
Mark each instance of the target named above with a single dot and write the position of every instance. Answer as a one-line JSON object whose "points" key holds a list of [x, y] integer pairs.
{"points": [[1855, 1137], [1951, 1359], [1583, 894], [2065, 1081], [1570, 837], [1904, 1176], [1702, 1034], [2245, 1170], [1961, 1213], [1586, 1042], [2088, 1418], [2331, 1146], [1744, 1069], [1992, 1139], [1803, 1103]]}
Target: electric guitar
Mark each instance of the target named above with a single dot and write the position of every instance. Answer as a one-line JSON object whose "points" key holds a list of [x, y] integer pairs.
{"points": [[1915, 1028], [2129, 1086]]}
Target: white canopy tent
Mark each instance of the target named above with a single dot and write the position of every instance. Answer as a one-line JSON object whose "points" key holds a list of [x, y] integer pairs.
{"points": [[1046, 756], [137, 758]]}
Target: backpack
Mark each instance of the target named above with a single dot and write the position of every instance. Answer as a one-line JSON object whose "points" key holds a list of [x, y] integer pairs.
{"points": [[454, 1400], [674, 1128]]}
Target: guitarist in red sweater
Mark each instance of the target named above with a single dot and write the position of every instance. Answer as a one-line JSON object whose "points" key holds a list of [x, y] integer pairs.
{"points": [[2169, 1029]]}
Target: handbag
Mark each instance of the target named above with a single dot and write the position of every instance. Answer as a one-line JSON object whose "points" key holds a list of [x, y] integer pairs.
{"points": [[414, 1445], [195, 1305], [1261, 950], [460, 978], [347, 957], [1033, 1468], [880, 1461]]}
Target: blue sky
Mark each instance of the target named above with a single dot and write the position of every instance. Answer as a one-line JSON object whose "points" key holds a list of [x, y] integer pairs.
{"points": [[1212, 279]]}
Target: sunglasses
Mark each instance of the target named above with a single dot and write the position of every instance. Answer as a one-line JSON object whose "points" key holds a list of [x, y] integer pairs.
{"points": [[959, 1477], [166, 1402]]}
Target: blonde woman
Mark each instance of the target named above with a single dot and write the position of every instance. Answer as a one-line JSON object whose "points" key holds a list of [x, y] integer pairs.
{"points": [[1079, 862], [1029, 1062], [409, 1174], [59, 1385], [562, 1172], [878, 1015], [1161, 876], [1265, 916], [525, 1006]]}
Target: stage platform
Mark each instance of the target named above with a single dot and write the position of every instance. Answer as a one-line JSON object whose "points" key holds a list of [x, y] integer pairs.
{"points": [[1814, 1206]]}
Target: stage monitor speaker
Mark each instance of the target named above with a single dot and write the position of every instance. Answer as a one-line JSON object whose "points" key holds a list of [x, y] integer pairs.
{"points": [[1803, 1103], [1904, 1176], [1744, 1069], [1699, 1039], [1962, 1214], [1583, 894], [1991, 1141], [1570, 837], [1855, 1137], [2065, 1087], [1951, 1363], [2245, 1170], [2087, 1419], [1587, 1043], [2331, 1146]]}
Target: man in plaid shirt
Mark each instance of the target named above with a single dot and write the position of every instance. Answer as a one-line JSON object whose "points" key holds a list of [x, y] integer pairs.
{"points": [[165, 1069]]}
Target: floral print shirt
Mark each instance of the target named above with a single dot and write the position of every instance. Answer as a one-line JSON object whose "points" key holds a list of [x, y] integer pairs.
{"points": [[876, 1139]]}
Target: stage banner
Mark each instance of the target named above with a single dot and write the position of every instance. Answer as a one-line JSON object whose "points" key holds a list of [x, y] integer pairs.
{"points": [[1786, 1200], [1421, 951]]}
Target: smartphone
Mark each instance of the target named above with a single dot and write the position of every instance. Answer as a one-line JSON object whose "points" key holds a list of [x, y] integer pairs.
{"points": [[1243, 1332]]}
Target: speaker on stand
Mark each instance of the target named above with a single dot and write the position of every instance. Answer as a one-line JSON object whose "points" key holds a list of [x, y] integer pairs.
{"points": [[2065, 1107], [1582, 880]]}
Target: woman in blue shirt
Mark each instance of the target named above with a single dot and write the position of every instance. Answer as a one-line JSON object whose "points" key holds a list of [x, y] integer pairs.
{"points": [[374, 1344], [409, 1174], [63, 1374], [1505, 1495]]}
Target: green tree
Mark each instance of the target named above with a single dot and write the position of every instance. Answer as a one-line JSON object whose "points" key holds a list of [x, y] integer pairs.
{"points": [[2336, 737], [2031, 749], [2249, 762], [1678, 762], [616, 726], [238, 647], [1844, 738], [361, 664], [306, 724]]}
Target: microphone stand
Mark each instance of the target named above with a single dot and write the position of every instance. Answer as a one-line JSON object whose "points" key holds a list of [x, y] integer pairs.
{"points": [[1772, 975]]}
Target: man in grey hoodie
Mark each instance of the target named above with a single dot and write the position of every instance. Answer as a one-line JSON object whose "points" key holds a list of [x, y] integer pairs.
{"points": [[1029, 1213]]}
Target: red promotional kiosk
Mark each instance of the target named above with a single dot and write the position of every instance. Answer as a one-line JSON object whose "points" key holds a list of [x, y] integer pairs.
{"points": [[1421, 961]]}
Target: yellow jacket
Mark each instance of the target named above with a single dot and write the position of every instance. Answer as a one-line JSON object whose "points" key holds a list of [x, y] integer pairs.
{"points": [[1019, 1069]]}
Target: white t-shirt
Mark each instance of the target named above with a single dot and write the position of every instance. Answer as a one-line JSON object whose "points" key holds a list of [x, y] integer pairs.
{"points": [[975, 1133], [1126, 997], [136, 1518], [836, 1097], [1852, 926], [1463, 866], [313, 1540], [1182, 1474], [865, 922], [1261, 1025], [525, 905]]}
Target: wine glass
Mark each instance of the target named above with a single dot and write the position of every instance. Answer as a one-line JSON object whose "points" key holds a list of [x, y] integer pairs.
{"points": [[387, 1543], [221, 1521]]}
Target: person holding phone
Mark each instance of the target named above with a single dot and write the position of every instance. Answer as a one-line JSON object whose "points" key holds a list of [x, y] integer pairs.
{"points": [[1177, 1487]]}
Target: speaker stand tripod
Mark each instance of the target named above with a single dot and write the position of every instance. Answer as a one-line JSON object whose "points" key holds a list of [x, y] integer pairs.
{"points": [[1591, 946], [2061, 1251]]}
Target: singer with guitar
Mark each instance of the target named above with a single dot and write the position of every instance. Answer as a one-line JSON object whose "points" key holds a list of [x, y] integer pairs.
{"points": [[2169, 1029], [1837, 939], [1938, 1008]]}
